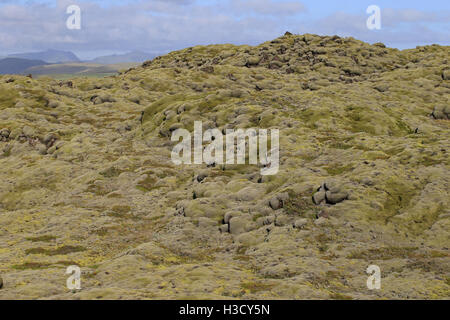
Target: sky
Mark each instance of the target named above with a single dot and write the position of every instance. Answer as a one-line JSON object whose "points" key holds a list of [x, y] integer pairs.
{"points": [[160, 26]]}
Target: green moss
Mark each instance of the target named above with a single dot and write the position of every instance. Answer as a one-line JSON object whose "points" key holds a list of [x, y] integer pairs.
{"points": [[111, 172], [160, 105], [121, 209], [31, 265], [438, 254], [45, 238], [340, 296], [394, 151], [66, 263], [402, 129], [311, 116], [155, 218], [299, 204], [242, 257], [376, 155], [424, 221], [257, 216], [97, 190], [177, 257], [256, 286], [101, 232], [374, 122], [384, 253], [148, 184], [7, 151], [308, 157], [57, 251], [225, 171], [8, 98], [340, 145], [272, 183], [399, 195], [428, 161], [330, 280], [363, 147], [208, 104], [362, 126], [140, 188], [42, 265], [322, 241], [39, 97], [122, 212], [337, 170]]}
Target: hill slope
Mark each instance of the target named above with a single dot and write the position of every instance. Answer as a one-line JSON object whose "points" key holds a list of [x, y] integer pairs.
{"points": [[78, 69], [87, 176], [134, 56], [50, 56], [18, 66]]}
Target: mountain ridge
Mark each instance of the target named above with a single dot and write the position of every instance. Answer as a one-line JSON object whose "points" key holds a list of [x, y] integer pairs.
{"points": [[17, 65], [49, 56], [133, 56]]}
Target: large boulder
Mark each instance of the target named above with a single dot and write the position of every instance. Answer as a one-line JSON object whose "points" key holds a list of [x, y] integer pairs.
{"points": [[319, 197], [278, 201], [331, 192], [441, 112], [334, 198], [237, 225]]}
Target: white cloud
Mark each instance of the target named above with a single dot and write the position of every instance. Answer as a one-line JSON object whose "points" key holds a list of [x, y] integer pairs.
{"points": [[400, 28], [268, 7], [159, 26]]}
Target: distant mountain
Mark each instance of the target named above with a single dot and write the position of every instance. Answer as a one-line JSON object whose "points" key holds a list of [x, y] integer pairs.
{"points": [[17, 65], [135, 56], [50, 56], [78, 69]]}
